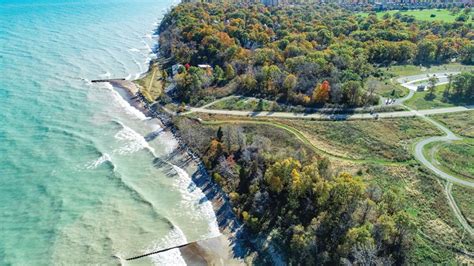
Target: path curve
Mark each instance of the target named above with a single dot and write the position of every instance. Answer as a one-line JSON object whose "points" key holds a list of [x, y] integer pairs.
{"points": [[450, 136], [456, 210]]}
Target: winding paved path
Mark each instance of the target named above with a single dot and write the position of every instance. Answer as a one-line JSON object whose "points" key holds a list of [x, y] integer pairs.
{"points": [[450, 136]]}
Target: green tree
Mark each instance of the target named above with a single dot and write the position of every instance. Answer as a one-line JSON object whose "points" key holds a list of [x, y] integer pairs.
{"points": [[288, 85], [229, 72], [432, 81], [219, 75], [352, 92], [466, 55], [426, 52]]}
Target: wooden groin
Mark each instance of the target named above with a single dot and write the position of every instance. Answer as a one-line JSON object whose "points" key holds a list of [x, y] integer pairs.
{"points": [[106, 80], [158, 251]]}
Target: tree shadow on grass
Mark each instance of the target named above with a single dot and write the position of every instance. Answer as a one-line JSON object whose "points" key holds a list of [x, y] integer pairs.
{"points": [[430, 96]]}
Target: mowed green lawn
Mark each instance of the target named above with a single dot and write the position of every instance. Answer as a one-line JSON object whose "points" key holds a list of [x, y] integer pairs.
{"points": [[423, 100], [425, 14], [409, 70]]}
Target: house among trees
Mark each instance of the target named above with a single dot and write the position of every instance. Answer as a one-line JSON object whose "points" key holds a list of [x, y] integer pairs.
{"points": [[206, 67]]}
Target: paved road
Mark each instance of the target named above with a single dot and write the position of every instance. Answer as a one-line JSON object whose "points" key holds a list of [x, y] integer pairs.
{"points": [[412, 82], [320, 116], [450, 136]]}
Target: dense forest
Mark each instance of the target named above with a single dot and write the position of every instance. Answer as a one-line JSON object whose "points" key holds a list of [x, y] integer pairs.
{"points": [[316, 214], [303, 55]]}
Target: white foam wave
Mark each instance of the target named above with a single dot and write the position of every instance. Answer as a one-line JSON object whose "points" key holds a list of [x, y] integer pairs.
{"points": [[129, 77], [171, 257], [125, 105], [102, 159], [134, 50], [133, 141], [147, 46], [194, 198]]}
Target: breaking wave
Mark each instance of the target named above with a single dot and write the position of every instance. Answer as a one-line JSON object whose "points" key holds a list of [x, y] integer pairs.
{"points": [[124, 104], [194, 198], [102, 159], [133, 141], [173, 256]]}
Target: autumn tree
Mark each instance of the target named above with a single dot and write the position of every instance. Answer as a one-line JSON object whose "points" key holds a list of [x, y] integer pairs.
{"points": [[321, 93]]}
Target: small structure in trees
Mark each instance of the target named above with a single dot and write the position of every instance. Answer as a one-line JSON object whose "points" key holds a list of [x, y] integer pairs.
{"points": [[207, 68]]}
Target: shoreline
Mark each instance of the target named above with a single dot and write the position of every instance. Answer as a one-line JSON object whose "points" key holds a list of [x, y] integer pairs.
{"points": [[231, 246]]}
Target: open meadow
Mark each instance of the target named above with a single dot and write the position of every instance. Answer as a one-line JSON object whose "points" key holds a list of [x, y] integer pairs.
{"points": [[424, 14]]}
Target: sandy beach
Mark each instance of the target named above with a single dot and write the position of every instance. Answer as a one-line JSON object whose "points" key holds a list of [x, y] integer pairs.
{"points": [[227, 249]]}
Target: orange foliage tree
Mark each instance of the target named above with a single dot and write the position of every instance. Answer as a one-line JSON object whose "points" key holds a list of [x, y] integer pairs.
{"points": [[321, 92]]}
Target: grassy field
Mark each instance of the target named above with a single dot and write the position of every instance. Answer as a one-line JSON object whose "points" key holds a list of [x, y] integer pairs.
{"points": [[457, 156], [387, 139], [425, 14], [388, 88], [425, 100], [460, 123], [151, 85], [464, 199], [409, 70]]}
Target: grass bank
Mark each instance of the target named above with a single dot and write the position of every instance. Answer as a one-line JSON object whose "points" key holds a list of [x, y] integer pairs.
{"points": [[388, 88], [152, 83], [457, 156], [426, 100], [461, 123], [463, 197], [387, 139]]}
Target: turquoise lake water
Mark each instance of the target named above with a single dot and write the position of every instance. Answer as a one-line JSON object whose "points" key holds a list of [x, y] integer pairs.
{"points": [[77, 179]]}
